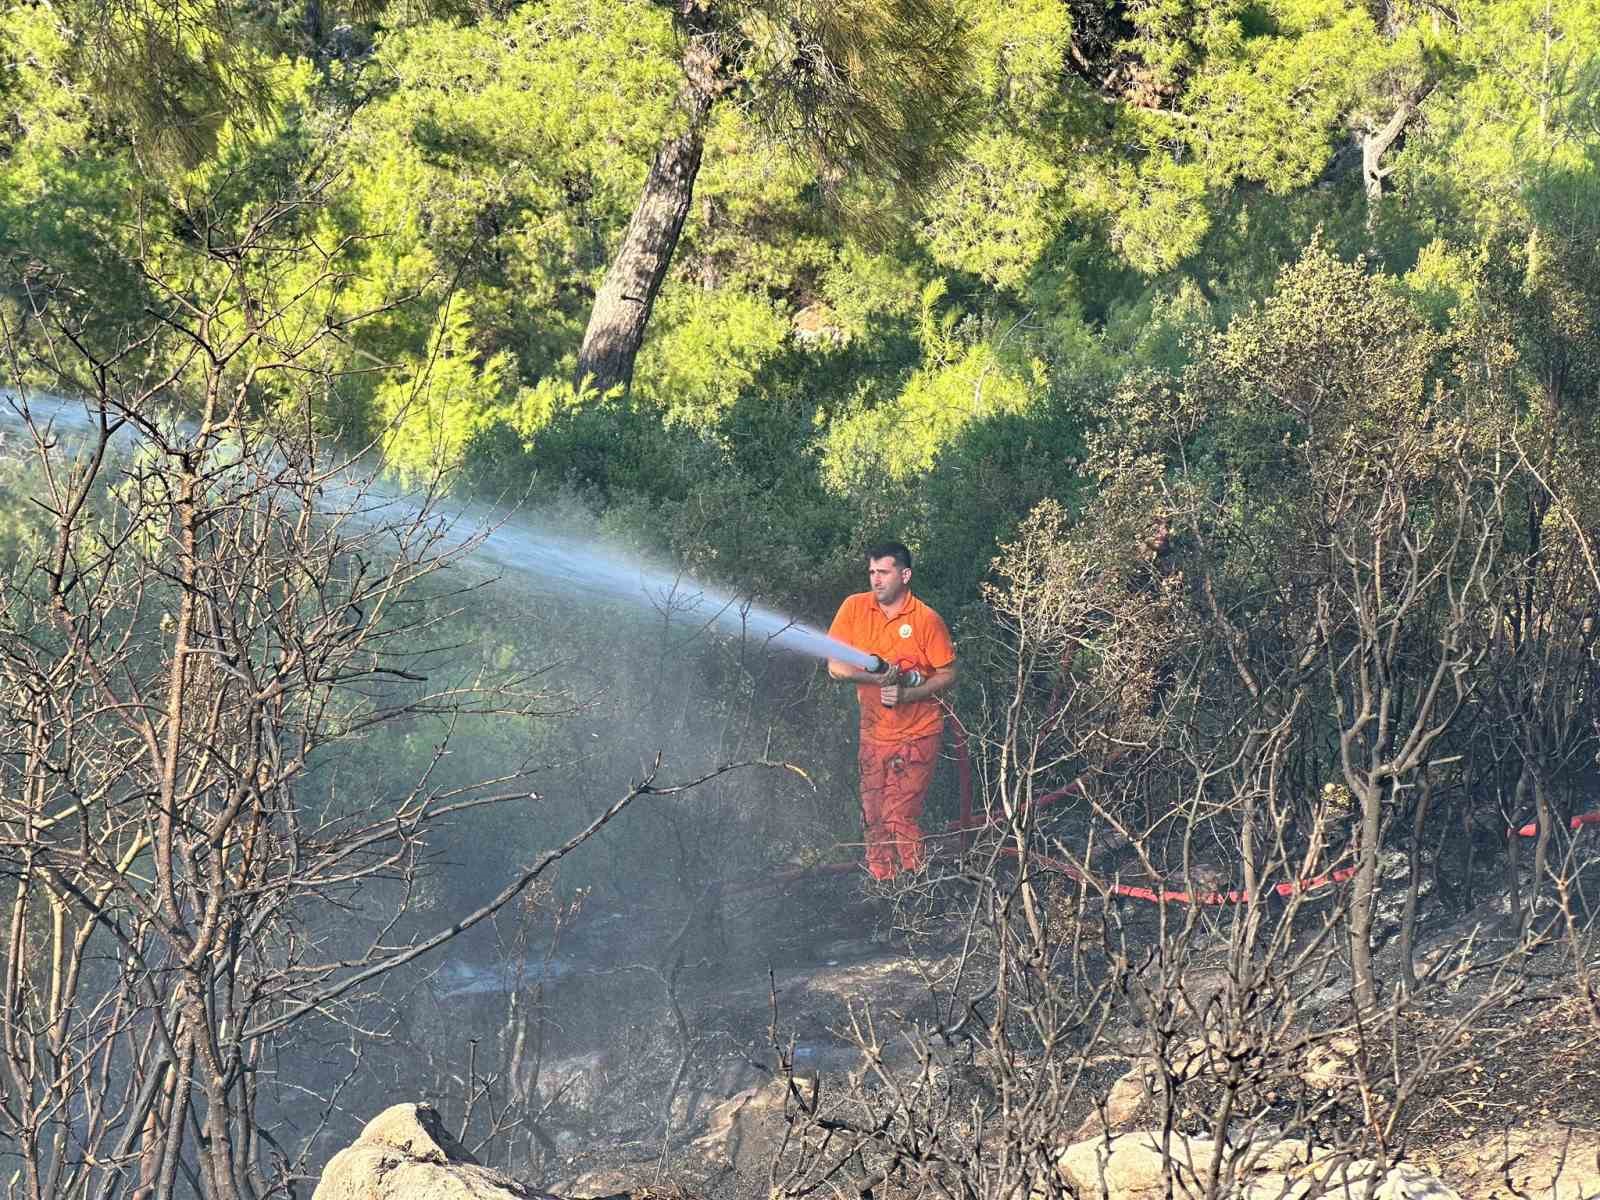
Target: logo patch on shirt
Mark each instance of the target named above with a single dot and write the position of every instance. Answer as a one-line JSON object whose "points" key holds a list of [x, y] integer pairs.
{"points": [[905, 631]]}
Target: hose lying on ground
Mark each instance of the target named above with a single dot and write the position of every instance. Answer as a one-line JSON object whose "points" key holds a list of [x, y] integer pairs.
{"points": [[969, 823]]}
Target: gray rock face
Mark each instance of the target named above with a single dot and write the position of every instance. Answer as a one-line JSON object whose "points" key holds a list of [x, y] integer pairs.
{"points": [[405, 1151]]}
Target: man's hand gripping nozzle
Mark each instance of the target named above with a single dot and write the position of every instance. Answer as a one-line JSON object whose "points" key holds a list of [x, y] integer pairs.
{"points": [[897, 676]]}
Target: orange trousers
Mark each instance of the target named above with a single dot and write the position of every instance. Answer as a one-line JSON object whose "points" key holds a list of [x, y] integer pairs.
{"points": [[894, 786]]}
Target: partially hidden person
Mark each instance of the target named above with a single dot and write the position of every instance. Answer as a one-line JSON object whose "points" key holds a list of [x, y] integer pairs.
{"points": [[902, 724]]}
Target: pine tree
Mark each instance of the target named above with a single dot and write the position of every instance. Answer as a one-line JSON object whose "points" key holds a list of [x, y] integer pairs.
{"points": [[867, 88]]}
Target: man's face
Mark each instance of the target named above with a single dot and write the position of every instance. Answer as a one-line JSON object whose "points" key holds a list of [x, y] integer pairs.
{"points": [[888, 579]]}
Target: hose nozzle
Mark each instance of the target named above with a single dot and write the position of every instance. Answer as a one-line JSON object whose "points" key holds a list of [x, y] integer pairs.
{"points": [[905, 675]]}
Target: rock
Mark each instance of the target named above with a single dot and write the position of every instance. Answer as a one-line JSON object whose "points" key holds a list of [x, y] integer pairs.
{"points": [[1135, 1167], [1549, 1162], [606, 1182], [1188, 1060], [416, 1131], [1286, 1154], [817, 324], [1407, 1182], [746, 1130], [722, 1080], [1349, 1181], [1326, 997], [578, 1083], [1330, 1065], [1199, 991], [1121, 1104], [1199, 1056], [1132, 1166], [406, 1152]]}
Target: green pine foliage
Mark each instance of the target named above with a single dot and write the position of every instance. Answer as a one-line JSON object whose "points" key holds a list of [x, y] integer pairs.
{"points": [[1127, 183]]}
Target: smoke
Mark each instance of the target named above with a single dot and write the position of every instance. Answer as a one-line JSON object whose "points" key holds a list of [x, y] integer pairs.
{"points": [[642, 672]]}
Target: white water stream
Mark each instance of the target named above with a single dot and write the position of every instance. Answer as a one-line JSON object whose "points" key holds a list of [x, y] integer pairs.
{"points": [[563, 567]]}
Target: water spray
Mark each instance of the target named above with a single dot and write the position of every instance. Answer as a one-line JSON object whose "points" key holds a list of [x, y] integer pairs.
{"points": [[543, 561]]}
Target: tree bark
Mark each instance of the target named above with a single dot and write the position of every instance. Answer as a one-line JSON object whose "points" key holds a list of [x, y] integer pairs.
{"points": [[1377, 142], [622, 307], [1408, 918], [1364, 896]]}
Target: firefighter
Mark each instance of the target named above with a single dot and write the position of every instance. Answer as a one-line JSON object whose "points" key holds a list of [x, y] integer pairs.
{"points": [[901, 721]]}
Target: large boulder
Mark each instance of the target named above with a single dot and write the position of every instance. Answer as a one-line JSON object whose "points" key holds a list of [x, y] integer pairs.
{"points": [[405, 1151], [1130, 1167], [1350, 1181], [1550, 1163], [746, 1131], [1136, 1166], [1121, 1104]]}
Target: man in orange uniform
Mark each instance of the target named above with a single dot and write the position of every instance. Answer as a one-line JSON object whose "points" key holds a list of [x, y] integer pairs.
{"points": [[901, 722]]}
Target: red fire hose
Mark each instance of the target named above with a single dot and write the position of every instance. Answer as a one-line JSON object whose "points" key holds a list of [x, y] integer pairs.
{"points": [[1531, 829], [969, 822]]}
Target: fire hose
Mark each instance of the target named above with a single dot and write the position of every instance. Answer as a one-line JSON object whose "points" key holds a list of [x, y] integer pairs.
{"points": [[969, 822], [1531, 829]]}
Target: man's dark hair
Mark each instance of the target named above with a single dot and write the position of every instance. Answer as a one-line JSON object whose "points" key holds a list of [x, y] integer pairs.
{"points": [[894, 550]]}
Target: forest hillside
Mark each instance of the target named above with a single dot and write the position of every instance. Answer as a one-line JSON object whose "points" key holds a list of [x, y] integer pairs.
{"points": [[434, 435]]}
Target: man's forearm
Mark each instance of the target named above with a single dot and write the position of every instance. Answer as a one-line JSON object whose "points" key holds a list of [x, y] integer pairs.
{"points": [[845, 673]]}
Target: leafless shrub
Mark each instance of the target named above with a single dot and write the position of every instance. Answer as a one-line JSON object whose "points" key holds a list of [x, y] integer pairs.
{"points": [[1221, 748], [208, 604]]}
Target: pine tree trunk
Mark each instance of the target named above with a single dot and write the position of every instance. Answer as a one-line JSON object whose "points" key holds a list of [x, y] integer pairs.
{"points": [[1376, 143], [622, 308]]}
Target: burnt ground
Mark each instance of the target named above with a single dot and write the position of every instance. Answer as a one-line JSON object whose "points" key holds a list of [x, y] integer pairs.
{"points": [[712, 1000], [1534, 1066]]}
